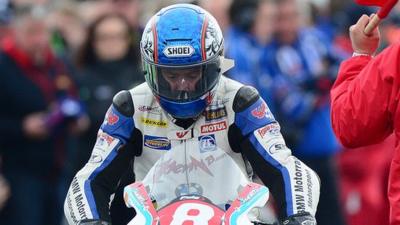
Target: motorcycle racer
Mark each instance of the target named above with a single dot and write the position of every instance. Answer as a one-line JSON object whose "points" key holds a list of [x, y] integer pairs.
{"points": [[187, 97]]}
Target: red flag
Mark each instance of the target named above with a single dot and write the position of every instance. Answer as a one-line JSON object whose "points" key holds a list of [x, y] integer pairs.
{"points": [[379, 3]]}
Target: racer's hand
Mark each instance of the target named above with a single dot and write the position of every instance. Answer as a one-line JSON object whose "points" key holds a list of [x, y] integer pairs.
{"points": [[300, 219], [93, 222], [362, 43]]}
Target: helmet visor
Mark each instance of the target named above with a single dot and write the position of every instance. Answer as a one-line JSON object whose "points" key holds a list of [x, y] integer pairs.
{"points": [[183, 84]]}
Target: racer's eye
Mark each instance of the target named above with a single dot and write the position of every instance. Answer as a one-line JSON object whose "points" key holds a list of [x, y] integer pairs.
{"points": [[171, 76]]}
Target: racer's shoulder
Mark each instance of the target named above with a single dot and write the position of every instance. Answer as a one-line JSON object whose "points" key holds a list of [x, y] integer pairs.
{"points": [[241, 96], [136, 100]]}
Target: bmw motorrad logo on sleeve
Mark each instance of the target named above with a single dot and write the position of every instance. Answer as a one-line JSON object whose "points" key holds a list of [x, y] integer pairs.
{"points": [[178, 51], [207, 143]]}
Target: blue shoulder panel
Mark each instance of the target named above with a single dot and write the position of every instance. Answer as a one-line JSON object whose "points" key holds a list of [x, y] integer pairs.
{"points": [[254, 117], [118, 125]]}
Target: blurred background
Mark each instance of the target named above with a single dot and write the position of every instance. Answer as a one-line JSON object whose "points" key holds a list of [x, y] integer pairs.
{"points": [[62, 61]]}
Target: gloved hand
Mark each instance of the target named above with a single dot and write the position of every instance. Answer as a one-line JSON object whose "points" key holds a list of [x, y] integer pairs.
{"points": [[300, 219], [93, 222]]}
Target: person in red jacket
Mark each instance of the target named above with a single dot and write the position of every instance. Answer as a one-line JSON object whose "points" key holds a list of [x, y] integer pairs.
{"points": [[365, 101]]}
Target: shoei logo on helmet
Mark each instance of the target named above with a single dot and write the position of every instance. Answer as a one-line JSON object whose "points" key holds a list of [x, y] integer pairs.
{"points": [[179, 51]]}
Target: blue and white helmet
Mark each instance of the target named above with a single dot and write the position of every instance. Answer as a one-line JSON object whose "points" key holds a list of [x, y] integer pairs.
{"points": [[182, 37]]}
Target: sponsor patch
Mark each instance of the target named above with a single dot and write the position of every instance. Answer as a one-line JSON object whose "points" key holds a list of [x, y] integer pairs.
{"points": [[213, 127], [111, 117], [103, 138], [95, 158], [149, 109], [75, 197], [178, 51], [262, 111], [259, 112], [272, 129], [159, 143], [154, 123], [215, 114], [207, 143], [182, 134], [274, 148]]}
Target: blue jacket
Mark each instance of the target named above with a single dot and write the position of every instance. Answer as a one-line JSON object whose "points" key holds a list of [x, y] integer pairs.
{"points": [[301, 77]]}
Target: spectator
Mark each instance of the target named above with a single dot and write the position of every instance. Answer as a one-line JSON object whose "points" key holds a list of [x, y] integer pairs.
{"points": [[252, 28], [39, 111], [365, 98], [302, 74], [220, 11], [364, 188], [130, 9], [67, 30], [108, 62], [5, 17]]}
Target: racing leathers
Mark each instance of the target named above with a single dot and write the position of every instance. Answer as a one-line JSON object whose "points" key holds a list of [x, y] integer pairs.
{"points": [[136, 128], [365, 106]]}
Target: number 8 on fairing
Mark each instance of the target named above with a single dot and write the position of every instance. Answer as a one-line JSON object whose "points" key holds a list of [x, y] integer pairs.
{"points": [[200, 214]]}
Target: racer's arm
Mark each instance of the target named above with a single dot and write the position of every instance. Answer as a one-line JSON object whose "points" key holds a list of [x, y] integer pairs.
{"points": [[89, 194], [256, 134], [365, 94]]}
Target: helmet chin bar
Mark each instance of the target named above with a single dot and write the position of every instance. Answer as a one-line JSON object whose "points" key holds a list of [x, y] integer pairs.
{"points": [[187, 110]]}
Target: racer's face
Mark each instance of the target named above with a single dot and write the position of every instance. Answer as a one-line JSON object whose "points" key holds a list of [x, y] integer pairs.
{"points": [[182, 79]]}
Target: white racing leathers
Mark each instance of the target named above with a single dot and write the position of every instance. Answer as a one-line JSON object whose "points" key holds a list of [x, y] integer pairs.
{"points": [[237, 120]]}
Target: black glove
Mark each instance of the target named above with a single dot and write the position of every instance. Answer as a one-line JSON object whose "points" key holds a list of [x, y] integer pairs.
{"points": [[93, 222], [300, 219]]}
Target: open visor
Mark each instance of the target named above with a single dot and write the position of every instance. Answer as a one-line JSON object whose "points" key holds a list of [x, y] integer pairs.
{"points": [[184, 83]]}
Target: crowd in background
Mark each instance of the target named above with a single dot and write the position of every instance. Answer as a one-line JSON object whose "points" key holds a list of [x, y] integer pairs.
{"points": [[61, 63]]}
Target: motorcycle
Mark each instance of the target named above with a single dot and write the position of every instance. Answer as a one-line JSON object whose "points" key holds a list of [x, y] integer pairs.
{"points": [[202, 186]]}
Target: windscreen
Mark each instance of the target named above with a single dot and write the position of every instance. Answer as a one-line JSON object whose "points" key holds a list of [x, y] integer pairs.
{"points": [[195, 168]]}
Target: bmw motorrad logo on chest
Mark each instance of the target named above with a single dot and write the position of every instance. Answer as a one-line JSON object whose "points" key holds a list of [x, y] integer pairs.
{"points": [[178, 51]]}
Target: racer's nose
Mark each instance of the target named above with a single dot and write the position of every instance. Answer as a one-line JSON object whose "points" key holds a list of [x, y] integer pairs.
{"points": [[184, 85]]}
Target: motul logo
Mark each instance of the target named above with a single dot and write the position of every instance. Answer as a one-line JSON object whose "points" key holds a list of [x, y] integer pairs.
{"points": [[209, 128], [179, 51]]}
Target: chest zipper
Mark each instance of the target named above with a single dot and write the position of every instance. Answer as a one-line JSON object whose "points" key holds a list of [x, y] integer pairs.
{"points": [[186, 163]]}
